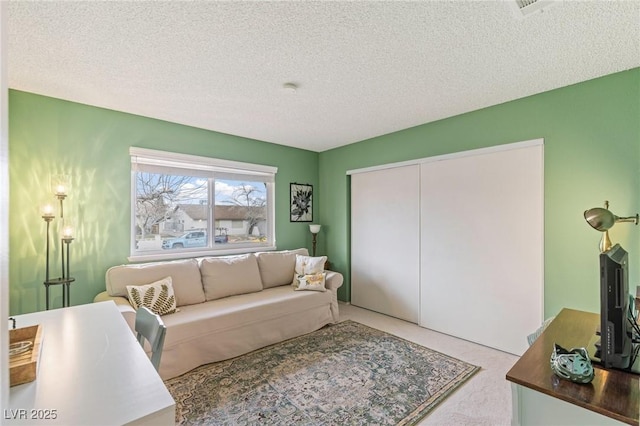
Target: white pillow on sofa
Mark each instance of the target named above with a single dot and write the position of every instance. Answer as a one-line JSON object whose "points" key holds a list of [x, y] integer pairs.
{"points": [[157, 296], [313, 282], [307, 265]]}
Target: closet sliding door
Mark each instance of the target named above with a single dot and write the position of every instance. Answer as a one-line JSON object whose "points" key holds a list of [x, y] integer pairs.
{"points": [[482, 246], [385, 241]]}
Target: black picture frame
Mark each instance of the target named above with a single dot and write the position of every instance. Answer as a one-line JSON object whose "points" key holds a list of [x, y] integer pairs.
{"points": [[301, 202]]}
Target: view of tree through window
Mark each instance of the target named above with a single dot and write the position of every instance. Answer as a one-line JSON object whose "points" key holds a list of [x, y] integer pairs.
{"points": [[172, 212], [188, 205], [158, 196]]}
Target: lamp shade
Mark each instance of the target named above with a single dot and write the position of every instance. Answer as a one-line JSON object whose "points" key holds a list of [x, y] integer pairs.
{"points": [[603, 220], [314, 228], [60, 185], [600, 219]]}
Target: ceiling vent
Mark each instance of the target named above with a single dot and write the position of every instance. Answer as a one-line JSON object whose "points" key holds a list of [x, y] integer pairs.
{"points": [[524, 8]]}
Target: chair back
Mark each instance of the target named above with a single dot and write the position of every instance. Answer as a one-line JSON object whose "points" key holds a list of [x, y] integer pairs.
{"points": [[150, 326]]}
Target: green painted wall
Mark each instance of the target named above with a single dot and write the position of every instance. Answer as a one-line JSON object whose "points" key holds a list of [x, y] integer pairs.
{"points": [[592, 153], [50, 136]]}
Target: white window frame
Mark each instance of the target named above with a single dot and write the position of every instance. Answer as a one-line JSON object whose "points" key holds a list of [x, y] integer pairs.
{"points": [[172, 162]]}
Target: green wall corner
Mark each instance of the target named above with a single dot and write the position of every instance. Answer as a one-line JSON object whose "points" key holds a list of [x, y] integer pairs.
{"points": [[591, 135]]}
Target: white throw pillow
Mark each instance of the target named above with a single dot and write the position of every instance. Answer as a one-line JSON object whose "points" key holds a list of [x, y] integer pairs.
{"points": [[313, 282], [157, 296], [307, 265]]}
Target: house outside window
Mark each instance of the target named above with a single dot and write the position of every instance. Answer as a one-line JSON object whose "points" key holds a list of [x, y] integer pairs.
{"points": [[185, 205]]}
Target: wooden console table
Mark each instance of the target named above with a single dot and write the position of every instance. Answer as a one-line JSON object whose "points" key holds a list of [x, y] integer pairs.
{"points": [[91, 371], [540, 397]]}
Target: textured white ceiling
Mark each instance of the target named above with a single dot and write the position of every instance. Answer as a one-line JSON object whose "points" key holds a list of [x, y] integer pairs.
{"points": [[363, 68]]}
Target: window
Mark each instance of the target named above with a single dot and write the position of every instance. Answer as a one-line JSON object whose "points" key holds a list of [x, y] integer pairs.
{"points": [[185, 205]]}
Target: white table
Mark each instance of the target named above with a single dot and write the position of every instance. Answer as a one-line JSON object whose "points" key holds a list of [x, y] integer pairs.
{"points": [[92, 371]]}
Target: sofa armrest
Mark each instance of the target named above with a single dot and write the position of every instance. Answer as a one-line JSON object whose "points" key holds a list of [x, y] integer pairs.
{"points": [[123, 305], [121, 302], [333, 280]]}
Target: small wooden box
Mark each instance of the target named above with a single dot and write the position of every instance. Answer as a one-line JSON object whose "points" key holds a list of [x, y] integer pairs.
{"points": [[24, 367]]}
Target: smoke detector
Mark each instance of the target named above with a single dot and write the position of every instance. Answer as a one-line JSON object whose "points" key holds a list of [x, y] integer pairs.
{"points": [[290, 87], [524, 8]]}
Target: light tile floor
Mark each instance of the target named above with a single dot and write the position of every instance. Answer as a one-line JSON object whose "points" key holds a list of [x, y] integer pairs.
{"points": [[484, 400]]}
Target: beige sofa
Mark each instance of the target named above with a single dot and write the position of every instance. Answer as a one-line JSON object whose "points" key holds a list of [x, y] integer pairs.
{"points": [[227, 306]]}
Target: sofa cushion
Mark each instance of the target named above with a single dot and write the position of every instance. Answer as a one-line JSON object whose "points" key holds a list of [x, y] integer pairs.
{"points": [[277, 267], [235, 312], [230, 275], [185, 277], [158, 296]]}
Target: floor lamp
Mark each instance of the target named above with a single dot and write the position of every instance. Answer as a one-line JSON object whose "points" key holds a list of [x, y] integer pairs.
{"points": [[60, 186], [314, 231]]}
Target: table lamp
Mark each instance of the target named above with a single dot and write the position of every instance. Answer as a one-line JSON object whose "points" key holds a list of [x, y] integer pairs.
{"points": [[601, 219]]}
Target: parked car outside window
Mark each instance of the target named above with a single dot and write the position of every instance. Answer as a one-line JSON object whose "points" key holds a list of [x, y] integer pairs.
{"points": [[192, 239]]}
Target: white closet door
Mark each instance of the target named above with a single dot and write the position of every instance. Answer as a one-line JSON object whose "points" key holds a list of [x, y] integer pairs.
{"points": [[385, 241], [482, 247]]}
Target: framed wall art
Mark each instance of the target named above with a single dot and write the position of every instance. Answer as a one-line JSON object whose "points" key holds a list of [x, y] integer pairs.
{"points": [[301, 202]]}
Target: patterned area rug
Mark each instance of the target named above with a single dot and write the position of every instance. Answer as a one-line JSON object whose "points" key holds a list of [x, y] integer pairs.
{"points": [[343, 374]]}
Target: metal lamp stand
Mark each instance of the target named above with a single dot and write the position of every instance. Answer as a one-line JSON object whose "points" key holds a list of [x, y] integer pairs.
{"points": [[66, 279]]}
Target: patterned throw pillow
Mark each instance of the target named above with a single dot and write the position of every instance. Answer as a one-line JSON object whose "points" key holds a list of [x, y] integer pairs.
{"points": [[314, 282], [307, 265], [157, 296]]}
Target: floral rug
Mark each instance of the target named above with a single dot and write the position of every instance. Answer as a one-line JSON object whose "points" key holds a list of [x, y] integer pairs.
{"points": [[343, 374]]}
